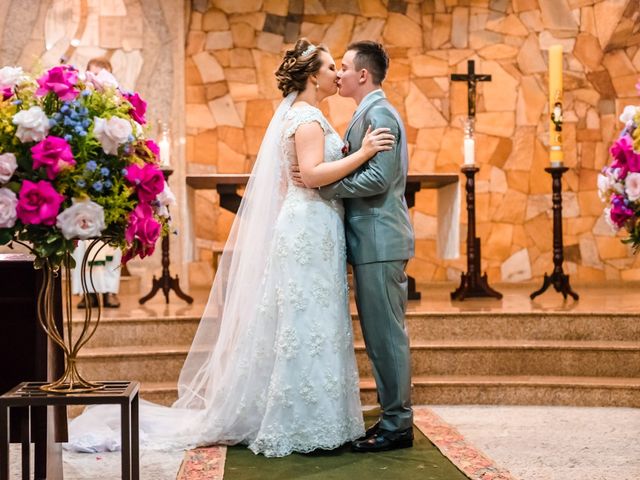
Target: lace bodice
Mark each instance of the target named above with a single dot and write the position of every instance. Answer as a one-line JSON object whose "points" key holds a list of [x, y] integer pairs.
{"points": [[299, 115]]}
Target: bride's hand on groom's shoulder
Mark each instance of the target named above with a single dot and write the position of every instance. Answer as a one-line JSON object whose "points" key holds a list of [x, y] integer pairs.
{"points": [[296, 177]]}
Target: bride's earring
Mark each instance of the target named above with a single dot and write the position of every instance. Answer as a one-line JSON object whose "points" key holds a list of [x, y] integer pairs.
{"points": [[317, 87]]}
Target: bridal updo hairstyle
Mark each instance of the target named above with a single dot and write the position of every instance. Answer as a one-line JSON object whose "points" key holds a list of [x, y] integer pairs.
{"points": [[302, 61]]}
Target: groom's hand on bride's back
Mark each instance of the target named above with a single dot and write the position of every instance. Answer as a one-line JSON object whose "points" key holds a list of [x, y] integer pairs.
{"points": [[296, 177]]}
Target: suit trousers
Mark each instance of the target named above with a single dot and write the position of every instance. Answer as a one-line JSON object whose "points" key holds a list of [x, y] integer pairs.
{"points": [[381, 298]]}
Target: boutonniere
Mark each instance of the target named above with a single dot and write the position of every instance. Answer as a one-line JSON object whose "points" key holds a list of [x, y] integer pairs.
{"points": [[345, 148]]}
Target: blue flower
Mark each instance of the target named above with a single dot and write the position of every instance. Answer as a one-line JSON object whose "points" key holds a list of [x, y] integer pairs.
{"points": [[86, 122], [124, 171], [86, 93], [17, 102], [97, 186], [52, 123], [81, 183], [64, 108], [104, 171], [82, 133], [108, 184], [91, 165], [68, 137]]}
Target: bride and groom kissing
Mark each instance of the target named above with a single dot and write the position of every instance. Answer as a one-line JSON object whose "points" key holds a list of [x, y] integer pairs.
{"points": [[272, 365]]}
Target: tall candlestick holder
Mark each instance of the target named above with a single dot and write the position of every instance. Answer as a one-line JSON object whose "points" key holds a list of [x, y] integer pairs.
{"points": [[473, 283], [166, 282], [558, 278]]}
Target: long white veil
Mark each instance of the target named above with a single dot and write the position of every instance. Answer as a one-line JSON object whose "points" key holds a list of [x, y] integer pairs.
{"points": [[211, 384], [238, 284]]}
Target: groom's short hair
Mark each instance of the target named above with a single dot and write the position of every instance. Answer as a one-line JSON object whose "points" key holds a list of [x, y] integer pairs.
{"points": [[372, 57]]}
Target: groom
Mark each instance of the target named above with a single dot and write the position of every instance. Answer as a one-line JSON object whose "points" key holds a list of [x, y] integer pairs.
{"points": [[380, 241]]}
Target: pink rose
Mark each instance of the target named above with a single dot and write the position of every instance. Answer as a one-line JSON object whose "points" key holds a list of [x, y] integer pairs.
{"points": [[619, 212], [53, 153], [8, 165], [8, 203], [60, 80], [7, 92], [38, 203], [139, 107], [148, 181], [624, 157], [144, 229], [153, 146], [632, 186]]}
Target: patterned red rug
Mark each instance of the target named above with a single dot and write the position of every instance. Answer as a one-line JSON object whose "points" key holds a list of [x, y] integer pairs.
{"points": [[469, 460], [203, 464], [208, 463]]}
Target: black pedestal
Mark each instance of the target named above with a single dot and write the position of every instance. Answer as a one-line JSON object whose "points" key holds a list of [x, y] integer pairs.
{"points": [[472, 283]]}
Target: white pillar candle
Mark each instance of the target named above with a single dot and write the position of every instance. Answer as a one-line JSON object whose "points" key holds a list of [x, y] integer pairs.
{"points": [[163, 146], [469, 151]]}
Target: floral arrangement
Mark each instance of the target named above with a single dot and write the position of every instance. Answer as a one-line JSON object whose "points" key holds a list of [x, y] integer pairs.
{"points": [[619, 182], [75, 164]]}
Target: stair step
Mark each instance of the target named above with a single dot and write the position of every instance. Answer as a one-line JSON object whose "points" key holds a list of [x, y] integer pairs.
{"points": [[142, 363], [525, 326], [143, 329], [483, 390], [513, 357], [149, 331], [519, 390]]}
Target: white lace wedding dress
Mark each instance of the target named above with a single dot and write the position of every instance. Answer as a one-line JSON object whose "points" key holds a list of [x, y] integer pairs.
{"points": [[295, 382]]}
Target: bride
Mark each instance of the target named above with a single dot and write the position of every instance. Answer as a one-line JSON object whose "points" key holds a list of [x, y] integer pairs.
{"points": [[272, 364]]}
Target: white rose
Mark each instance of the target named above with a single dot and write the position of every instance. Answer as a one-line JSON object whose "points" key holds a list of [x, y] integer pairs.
{"points": [[84, 219], [165, 198], [627, 114], [607, 218], [632, 186], [33, 125], [8, 165], [10, 76], [111, 133], [8, 203]]}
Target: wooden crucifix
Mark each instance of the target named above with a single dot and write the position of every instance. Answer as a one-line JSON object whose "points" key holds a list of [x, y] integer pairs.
{"points": [[472, 78], [472, 283]]}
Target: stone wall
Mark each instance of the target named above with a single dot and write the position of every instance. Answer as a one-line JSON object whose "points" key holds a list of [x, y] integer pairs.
{"points": [[234, 46]]}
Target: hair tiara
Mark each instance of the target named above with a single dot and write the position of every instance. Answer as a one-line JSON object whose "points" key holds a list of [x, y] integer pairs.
{"points": [[309, 50]]}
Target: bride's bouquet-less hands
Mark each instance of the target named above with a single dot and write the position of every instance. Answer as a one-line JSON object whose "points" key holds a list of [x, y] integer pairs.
{"points": [[75, 164]]}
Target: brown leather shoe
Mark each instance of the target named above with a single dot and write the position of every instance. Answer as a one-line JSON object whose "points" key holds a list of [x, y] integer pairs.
{"points": [[110, 300], [93, 301]]}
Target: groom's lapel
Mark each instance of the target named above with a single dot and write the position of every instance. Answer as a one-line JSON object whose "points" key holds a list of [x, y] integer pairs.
{"points": [[363, 107]]}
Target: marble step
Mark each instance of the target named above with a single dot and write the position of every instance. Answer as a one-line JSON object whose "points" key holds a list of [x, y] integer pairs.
{"points": [[484, 390], [139, 331], [174, 330], [516, 357], [504, 357], [529, 326]]}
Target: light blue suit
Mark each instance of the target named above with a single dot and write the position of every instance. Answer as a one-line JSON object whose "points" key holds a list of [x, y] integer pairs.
{"points": [[380, 241]]}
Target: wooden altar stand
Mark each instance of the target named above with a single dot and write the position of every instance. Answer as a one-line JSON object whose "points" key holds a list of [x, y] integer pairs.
{"points": [[26, 354], [227, 186]]}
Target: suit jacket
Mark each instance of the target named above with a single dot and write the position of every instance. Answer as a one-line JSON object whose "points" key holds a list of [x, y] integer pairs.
{"points": [[376, 215]]}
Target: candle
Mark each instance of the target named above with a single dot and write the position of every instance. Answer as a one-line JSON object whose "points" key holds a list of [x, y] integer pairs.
{"points": [[469, 151], [163, 146], [555, 105]]}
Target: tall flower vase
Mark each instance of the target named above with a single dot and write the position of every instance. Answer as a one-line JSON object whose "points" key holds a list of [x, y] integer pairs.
{"points": [[71, 381]]}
